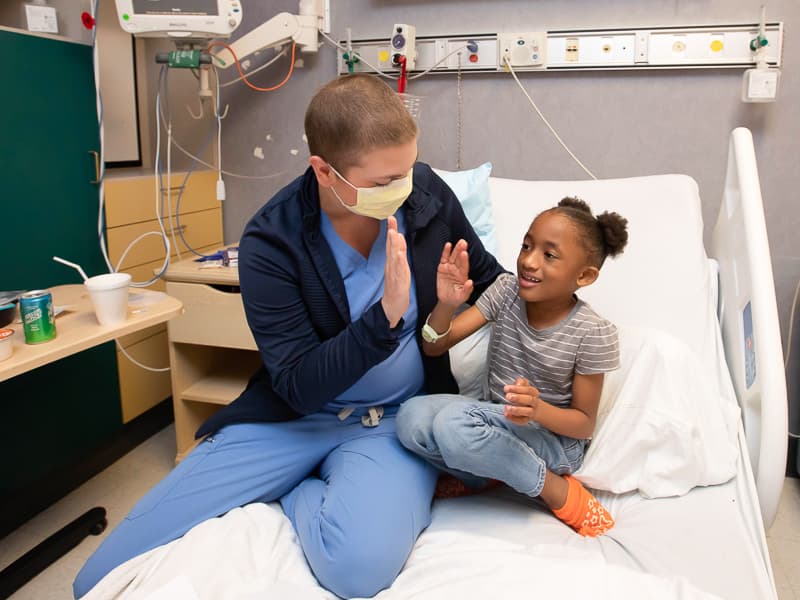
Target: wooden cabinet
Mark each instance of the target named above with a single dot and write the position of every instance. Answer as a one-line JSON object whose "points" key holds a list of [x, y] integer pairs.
{"points": [[212, 350], [130, 210]]}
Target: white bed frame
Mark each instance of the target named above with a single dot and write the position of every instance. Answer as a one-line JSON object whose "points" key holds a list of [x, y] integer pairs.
{"points": [[739, 244], [741, 264]]}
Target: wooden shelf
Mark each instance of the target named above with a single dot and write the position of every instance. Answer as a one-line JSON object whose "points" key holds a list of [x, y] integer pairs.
{"points": [[221, 387], [79, 330]]}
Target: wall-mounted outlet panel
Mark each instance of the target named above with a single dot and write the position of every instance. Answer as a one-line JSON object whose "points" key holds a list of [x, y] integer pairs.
{"points": [[709, 46], [473, 54], [528, 49], [657, 48]]}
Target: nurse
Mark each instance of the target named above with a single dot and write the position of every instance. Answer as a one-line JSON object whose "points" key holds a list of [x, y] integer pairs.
{"points": [[338, 274]]}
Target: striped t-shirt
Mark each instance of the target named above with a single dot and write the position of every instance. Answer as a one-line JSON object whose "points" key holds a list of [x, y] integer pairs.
{"points": [[583, 343]]}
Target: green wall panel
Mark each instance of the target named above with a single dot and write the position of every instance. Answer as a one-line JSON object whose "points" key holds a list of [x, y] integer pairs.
{"points": [[48, 124]]}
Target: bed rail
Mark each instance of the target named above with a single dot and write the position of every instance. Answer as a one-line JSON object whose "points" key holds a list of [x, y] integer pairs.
{"points": [[749, 319]]}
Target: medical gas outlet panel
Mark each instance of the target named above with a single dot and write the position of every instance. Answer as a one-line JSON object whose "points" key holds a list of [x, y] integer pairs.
{"points": [[702, 46], [403, 45]]}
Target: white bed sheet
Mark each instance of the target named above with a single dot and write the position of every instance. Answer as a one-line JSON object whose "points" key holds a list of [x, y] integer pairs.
{"points": [[710, 536], [701, 546]]}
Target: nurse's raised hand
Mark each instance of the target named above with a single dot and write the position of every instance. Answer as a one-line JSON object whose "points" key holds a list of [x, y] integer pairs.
{"points": [[397, 276]]}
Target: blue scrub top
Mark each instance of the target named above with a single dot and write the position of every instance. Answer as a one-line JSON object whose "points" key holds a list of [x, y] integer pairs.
{"points": [[401, 375]]}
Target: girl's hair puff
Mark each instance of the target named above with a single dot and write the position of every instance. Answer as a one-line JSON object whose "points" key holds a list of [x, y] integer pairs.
{"points": [[602, 236]]}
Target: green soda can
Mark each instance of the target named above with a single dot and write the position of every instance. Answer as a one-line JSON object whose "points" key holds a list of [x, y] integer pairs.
{"points": [[38, 320]]}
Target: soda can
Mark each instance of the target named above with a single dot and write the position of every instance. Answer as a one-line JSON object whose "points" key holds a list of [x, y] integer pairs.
{"points": [[38, 320]]}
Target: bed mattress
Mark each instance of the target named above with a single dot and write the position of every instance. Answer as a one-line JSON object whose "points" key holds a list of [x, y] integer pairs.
{"points": [[706, 545]]}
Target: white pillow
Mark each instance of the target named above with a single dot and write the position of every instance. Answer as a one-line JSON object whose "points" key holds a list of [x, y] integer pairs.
{"points": [[662, 426], [468, 363]]}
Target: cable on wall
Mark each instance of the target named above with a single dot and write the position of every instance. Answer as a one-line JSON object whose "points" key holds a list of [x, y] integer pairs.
{"points": [[279, 55], [459, 114], [544, 120], [242, 75]]}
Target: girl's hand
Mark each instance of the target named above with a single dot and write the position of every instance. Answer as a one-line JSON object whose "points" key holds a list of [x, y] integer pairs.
{"points": [[523, 401], [453, 286], [397, 276]]}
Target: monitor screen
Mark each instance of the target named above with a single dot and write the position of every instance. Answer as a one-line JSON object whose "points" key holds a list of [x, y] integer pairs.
{"points": [[175, 7]]}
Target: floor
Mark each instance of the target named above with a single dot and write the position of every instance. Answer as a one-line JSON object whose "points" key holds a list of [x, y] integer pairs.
{"points": [[118, 487]]}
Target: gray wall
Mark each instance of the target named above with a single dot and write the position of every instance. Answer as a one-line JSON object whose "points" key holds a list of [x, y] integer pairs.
{"points": [[619, 124]]}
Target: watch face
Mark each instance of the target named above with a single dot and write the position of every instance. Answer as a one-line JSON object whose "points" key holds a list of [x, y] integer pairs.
{"points": [[428, 334]]}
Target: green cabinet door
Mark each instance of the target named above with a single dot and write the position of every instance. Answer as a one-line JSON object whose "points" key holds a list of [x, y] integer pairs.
{"points": [[60, 413]]}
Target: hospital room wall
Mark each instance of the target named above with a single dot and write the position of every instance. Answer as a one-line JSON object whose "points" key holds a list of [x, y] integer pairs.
{"points": [[620, 124], [68, 12]]}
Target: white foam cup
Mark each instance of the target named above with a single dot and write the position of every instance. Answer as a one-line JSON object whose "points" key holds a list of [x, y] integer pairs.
{"points": [[6, 343], [109, 294]]}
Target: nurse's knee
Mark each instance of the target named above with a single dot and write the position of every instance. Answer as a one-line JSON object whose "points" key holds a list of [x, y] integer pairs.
{"points": [[360, 569]]}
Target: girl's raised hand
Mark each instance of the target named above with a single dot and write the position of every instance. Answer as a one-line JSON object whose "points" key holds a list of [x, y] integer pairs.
{"points": [[453, 286]]}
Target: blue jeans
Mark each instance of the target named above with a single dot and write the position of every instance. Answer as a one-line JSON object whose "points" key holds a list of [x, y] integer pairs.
{"points": [[357, 499], [474, 441]]}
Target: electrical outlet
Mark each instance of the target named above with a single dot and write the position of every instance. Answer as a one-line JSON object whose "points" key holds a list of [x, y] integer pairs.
{"points": [[571, 52], [679, 43], [760, 85]]}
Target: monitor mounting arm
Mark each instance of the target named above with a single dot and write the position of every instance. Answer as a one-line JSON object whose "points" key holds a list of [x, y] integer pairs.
{"points": [[281, 29]]}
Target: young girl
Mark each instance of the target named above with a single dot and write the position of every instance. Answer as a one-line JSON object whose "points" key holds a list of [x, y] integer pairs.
{"points": [[548, 353]]}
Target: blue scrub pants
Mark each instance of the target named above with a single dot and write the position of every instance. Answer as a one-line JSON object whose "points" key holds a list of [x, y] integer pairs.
{"points": [[357, 499]]}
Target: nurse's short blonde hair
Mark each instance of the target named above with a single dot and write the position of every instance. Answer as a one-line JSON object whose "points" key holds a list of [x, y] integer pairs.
{"points": [[352, 115]]}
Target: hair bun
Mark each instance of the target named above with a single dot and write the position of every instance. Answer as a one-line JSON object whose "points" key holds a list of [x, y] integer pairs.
{"points": [[615, 232]]}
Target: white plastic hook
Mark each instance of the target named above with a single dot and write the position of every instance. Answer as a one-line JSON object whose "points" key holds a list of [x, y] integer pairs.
{"points": [[191, 112]]}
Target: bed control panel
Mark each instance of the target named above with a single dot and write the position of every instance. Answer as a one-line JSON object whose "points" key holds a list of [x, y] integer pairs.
{"points": [[749, 346]]}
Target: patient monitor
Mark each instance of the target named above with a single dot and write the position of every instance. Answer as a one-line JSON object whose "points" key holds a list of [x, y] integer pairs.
{"points": [[182, 19], [190, 21]]}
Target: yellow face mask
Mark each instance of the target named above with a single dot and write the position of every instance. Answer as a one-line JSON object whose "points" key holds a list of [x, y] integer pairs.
{"points": [[381, 201]]}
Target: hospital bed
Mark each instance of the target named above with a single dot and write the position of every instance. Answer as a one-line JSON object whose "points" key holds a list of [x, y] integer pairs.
{"points": [[688, 455]]}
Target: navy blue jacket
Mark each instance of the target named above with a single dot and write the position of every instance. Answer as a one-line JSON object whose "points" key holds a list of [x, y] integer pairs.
{"points": [[296, 305]]}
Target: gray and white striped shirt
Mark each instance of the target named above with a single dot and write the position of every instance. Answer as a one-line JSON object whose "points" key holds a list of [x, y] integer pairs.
{"points": [[583, 343]]}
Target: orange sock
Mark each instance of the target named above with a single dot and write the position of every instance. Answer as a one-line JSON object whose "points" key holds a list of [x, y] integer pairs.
{"points": [[583, 512]]}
